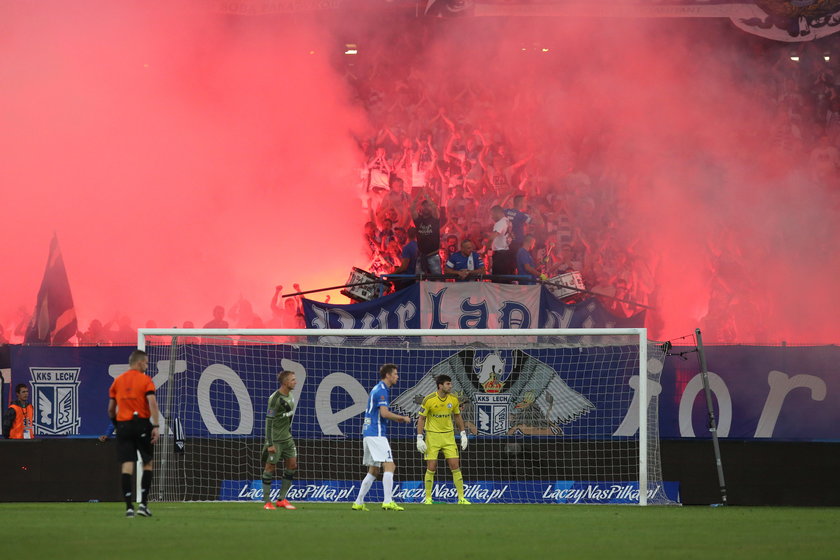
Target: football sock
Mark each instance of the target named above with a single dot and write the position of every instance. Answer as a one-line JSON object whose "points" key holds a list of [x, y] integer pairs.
{"points": [[145, 486], [288, 476], [363, 489], [458, 479], [429, 481], [125, 480], [388, 485], [267, 477]]}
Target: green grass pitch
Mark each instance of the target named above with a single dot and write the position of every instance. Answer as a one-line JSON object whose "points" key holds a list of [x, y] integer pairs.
{"points": [[446, 531]]}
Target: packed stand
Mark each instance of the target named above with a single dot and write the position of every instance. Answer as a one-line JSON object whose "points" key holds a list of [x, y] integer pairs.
{"points": [[436, 142]]}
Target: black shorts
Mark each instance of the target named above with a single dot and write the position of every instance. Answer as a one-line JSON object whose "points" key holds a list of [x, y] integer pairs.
{"points": [[133, 436]]}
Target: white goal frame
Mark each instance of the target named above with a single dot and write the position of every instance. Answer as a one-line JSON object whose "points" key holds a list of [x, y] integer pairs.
{"points": [[637, 334]]}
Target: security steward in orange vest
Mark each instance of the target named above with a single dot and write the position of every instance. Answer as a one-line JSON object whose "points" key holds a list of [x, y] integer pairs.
{"points": [[19, 420]]}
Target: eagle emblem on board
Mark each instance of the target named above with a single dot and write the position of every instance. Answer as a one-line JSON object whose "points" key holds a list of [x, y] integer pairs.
{"points": [[56, 399], [502, 392]]}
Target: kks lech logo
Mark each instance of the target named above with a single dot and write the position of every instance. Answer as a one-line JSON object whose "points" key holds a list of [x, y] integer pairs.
{"points": [[56, 400], [502, 392]]}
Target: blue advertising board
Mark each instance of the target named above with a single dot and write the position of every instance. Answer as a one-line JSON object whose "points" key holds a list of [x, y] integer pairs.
{"points": [[760, 392], [478, 492]]}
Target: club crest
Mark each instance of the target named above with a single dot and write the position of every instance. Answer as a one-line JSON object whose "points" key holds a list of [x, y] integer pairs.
{"points": [[55, 395], [502, 392]]}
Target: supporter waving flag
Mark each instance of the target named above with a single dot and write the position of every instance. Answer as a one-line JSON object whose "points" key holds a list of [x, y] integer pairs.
{"points": [[54, 318]]}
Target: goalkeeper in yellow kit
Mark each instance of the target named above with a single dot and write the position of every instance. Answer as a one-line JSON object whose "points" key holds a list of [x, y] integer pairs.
{"points": [[436, 415]]}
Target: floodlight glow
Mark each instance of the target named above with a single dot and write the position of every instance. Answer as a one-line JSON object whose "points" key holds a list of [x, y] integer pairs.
{"points": [[795, 58]]}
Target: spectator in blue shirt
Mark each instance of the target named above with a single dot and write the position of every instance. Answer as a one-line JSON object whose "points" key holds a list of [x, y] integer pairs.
{"points": [[518, 220], [465, 263], [408, 260], [525, 265]]}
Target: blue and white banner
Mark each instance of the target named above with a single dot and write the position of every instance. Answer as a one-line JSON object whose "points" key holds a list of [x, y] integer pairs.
{"points": [[400, 310], [760, 392], [465, 305], [544, 392], [587, 314], [478, 305], [478, 492]]}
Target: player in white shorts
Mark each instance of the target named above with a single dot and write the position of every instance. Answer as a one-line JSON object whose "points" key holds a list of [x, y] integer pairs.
{"points": [[378, 453]]}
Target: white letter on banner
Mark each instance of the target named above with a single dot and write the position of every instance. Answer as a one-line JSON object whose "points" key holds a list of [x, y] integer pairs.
{"points": [[405, 311], [300, 375], [322, 321], [780, 386], [246, 411], [630, 425], [724, 400], [327, 417]]}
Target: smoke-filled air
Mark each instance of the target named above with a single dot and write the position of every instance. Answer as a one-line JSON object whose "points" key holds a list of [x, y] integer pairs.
{"points": [[187, 158]]}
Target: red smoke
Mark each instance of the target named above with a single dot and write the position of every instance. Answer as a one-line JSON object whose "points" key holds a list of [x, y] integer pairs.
{"points": [[186, 158]]}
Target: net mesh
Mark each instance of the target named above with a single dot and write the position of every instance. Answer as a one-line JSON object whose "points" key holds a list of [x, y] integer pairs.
{"points": [[550, 418]]}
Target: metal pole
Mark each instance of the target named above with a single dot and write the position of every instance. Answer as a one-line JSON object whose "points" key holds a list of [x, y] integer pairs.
{"points": [[166, 441], [704, 373], [643, 418]]}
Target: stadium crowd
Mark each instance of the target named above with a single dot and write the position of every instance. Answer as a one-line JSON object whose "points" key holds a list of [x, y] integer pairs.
{"points": [[439, 139]]}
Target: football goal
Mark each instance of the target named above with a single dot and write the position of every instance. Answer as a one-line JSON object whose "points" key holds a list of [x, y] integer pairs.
{"points": [[552, 415]]}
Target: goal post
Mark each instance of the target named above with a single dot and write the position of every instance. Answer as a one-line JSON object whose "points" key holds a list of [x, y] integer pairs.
{"points": [[553, 415]]}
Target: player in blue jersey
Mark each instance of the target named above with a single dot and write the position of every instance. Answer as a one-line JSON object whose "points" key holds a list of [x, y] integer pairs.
{"points": [[377, 449]]}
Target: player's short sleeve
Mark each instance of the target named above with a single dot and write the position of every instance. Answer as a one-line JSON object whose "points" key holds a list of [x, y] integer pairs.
{"points": [[424, 406], [380, 397], [273, 405], [456, 406], [150, 387], [112, 392]]}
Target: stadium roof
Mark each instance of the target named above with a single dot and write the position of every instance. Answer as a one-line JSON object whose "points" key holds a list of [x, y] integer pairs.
{"points": [[781, 20]]}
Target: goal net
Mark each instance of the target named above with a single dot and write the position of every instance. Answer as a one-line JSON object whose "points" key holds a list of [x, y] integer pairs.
{"points": [[553, 415]]}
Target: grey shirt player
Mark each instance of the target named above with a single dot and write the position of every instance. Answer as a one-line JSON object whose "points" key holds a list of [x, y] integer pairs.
{"points": [[279, 445], [278, 427]]}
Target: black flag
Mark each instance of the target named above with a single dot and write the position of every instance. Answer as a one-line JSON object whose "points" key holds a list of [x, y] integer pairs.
{"points": [[54, 319]]}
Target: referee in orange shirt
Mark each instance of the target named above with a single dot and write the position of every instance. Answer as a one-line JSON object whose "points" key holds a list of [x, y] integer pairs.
{"points": [[133, 409]]}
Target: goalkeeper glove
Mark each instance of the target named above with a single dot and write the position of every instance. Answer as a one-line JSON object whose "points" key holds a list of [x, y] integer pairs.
{"points": [[288, 414], [464, 441], [421, 444]]}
